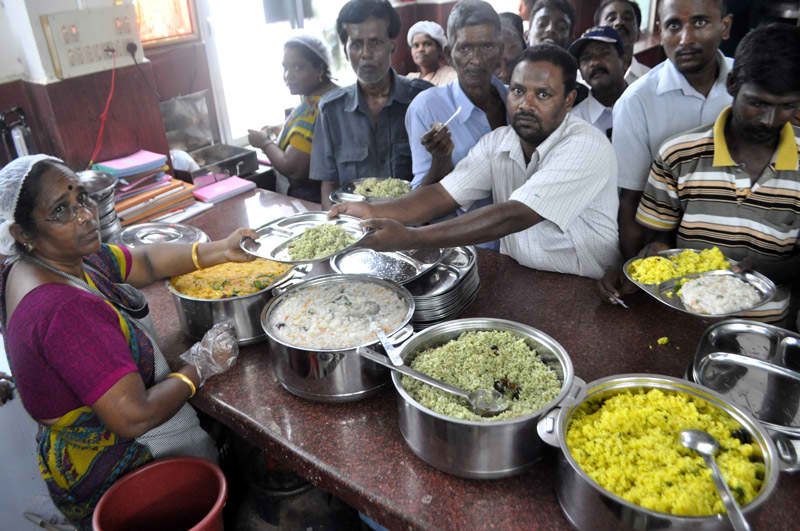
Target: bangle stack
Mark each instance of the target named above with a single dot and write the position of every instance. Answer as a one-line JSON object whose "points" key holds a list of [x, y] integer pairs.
{"points": [[185, 379], [196, 261]]}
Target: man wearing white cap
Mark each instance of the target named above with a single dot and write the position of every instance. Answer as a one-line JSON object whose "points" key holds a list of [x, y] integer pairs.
{"points": [[427, 42]]}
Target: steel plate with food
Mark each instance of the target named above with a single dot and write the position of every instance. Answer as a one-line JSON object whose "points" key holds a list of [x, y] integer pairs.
{"points": [[700, 283], [622, 465], [371, 189], [306, 237]]}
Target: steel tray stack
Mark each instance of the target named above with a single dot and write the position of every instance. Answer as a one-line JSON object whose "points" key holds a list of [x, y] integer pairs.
{"points": [[447, 290], [102, 187]]}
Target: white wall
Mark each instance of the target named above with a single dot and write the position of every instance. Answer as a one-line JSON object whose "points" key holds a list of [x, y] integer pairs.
{"points": [[11, 63]]}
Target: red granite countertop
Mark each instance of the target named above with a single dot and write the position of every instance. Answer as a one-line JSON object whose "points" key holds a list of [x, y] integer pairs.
{"points": [[356, 450]]}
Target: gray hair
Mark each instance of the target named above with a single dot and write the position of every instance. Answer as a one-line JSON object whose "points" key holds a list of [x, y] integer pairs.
{"points": [[471, 13]]}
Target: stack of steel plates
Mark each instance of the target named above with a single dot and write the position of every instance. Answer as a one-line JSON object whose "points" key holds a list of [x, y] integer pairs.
{"points": [[102, 187], [446, 290]]}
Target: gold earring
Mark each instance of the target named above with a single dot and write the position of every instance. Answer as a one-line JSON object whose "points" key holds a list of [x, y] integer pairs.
{"points": [[28, 247]]}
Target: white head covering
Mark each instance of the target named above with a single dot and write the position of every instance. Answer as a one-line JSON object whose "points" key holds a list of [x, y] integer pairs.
{"points": [[12, 177], [431, 28], [313, 44]]}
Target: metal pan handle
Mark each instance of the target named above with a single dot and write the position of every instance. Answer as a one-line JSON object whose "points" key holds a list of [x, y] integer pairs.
{"points": [[547, 426], [788, 452], [282, 286], [401, 335], [747, 361]]}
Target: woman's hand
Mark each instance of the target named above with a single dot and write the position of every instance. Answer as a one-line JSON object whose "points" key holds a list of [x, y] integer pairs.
{"points": [[256, 138], [232, 250], [215, 353]]}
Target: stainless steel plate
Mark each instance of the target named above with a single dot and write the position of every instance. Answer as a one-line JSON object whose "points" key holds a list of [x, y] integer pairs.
{"points": [[346, 192], [274, 237], [762, 284], [398, 266], [146, 233]]}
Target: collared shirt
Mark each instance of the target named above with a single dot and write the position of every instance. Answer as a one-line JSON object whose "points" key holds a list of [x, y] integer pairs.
{"points": [[660, 104], [348, 145], [697, 188], [570, 181], [635, 71], [595, 113], [437, 105]]}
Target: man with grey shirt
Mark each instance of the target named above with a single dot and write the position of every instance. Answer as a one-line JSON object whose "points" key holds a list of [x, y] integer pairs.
{"points": [[360, 131]]}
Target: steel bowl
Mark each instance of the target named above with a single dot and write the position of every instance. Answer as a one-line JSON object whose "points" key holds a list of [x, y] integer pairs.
{"points": [[197, 315], [588, 506], [477, 449], [332, 375]]}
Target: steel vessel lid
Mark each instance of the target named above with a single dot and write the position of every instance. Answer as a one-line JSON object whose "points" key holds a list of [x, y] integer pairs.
{"points": [[158, 232]]}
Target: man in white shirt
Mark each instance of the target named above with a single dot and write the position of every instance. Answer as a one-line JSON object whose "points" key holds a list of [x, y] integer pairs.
{"points": [[625, 16], [685, 91], [600, 60], [552, 178]]}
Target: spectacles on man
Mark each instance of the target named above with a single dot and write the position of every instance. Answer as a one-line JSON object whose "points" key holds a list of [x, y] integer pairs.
{"points": [[67, 213]]}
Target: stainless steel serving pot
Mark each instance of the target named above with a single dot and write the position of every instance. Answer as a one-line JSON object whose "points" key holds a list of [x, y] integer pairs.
{"points": [[197, 316], [332, 375], [588, 506], [475, 449]]}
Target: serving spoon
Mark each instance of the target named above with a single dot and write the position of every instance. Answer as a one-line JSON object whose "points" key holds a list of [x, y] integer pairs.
{"points": [[706, 445]]}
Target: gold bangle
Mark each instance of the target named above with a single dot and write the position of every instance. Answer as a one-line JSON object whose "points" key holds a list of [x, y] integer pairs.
{"points": [[185, 379], [196, 260]]}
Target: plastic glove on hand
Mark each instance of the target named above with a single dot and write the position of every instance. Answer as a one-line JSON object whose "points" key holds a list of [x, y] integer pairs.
{"points": [[215, 353]]}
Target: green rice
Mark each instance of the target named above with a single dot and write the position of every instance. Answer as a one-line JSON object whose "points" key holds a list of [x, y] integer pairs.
{"points": [[319, 241], [484, 360], [374, 187], [629, 443]]}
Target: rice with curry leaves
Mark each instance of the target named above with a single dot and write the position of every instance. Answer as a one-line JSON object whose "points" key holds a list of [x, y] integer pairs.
{"points": [[388, 188], [230, 279], [629, 444], [484, 360], [319, 241]]}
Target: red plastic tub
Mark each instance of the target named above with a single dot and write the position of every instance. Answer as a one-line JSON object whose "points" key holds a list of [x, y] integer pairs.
{"points": [[184, 493]]}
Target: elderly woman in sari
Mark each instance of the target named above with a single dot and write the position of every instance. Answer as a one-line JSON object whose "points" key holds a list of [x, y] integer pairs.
{"points": [[427, 42], [80, 342], [307, 72]]}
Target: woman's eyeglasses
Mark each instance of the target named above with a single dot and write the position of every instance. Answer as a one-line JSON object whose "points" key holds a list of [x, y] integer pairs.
{"points": [[67, 213]]}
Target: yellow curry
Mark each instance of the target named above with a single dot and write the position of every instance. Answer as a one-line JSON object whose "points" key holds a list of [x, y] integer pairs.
{"points": [[230, 279]]}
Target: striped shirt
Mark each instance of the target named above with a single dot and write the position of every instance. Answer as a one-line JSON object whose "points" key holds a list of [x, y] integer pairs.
{"points": [[570, 181], [697, 188], [298, 131]]}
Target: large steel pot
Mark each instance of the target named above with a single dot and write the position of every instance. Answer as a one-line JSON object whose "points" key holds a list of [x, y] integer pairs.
{"points": [[588, 506], [332, 375], [197, 316], [477, 449]]}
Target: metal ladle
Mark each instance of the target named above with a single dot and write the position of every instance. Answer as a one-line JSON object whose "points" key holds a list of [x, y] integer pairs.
{"points": [[706, 445], [483, 402]]}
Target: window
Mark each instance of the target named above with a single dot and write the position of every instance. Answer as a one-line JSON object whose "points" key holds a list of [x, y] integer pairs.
{"points": [[249, 56], [164, 21]]}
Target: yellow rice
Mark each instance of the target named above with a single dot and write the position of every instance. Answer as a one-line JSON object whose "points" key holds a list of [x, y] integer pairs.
{"points": [[629, 444], [229, 279], [657, 269]]}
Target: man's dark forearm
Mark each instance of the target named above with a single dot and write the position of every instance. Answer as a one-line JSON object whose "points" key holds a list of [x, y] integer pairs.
{"points": [[483, 225], [783, 272], [631, 234], [418, 207], [440, 166]]}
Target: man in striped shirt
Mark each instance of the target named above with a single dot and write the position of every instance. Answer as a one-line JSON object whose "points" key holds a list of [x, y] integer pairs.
{"points": [[552, 178], [736, 184]]}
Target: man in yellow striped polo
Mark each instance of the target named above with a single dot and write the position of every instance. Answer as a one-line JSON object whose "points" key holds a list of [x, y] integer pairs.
{"points": [[735, 184]]}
